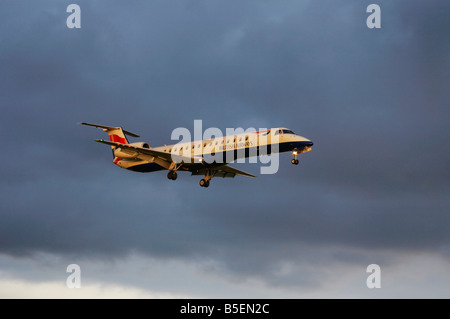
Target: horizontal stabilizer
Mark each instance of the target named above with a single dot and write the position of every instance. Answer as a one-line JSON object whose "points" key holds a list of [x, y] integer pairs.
{"points": [[109, 128]]}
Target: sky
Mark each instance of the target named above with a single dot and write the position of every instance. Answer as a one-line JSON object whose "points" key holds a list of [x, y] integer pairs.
{"points": [[373, 190]]}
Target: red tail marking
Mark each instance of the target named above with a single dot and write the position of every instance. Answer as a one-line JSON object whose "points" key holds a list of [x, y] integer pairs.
{"points": [[118, 139]]}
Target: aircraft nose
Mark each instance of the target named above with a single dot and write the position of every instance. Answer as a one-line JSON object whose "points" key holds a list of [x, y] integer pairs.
{"points": [[309, 143]]}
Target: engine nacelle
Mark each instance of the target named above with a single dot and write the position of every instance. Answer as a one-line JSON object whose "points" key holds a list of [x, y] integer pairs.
{"points": [[130, 154], [140, 144]]}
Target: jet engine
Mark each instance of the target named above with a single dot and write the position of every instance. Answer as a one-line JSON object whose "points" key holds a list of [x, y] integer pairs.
{"points": [[130, 154]]}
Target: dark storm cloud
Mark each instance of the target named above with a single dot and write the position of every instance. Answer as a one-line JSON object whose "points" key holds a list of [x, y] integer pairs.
{"points": [[374, 102]]}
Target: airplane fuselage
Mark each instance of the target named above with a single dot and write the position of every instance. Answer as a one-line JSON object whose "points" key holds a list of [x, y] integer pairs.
{"points": [[224, 150]]}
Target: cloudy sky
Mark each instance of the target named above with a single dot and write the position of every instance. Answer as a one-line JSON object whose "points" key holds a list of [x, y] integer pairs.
{"points": [[374, 189]]}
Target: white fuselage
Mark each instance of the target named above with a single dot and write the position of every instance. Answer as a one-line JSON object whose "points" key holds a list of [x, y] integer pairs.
{"points": [[228, 148]]}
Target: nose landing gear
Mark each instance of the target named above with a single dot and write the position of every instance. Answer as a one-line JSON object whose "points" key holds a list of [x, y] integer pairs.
{"points": [[295, 161], [172, 175]]}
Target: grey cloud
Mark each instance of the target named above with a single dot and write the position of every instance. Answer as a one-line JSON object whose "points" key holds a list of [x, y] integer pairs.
{"points": [[373, 101]]}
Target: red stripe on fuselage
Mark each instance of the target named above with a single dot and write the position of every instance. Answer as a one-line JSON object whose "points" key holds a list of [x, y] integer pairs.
{"points": [[118, 139]]}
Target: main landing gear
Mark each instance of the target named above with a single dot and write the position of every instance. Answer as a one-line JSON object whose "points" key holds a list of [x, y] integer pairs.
{"points": [[173, 171], [295, 161], [204, 182]]}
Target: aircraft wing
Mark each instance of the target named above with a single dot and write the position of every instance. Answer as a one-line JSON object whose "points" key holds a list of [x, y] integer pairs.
{"points": [[140, 150], [219, 171], [228, 170], [222, 171]]}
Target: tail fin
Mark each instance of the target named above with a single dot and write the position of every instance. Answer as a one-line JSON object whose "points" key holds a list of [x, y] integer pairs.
{"points": [[116, 134]]}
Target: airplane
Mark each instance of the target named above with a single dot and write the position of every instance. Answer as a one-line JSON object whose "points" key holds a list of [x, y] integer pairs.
{"points": [[206, 157]]}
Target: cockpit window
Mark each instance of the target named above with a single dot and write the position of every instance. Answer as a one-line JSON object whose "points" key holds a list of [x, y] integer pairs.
{"points": [[288, 132], [277, 132]]}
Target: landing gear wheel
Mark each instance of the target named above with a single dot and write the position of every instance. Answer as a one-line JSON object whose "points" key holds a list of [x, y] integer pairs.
{"points": [[204, 183], [172, 175], [296, 162], [293, 161]]}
